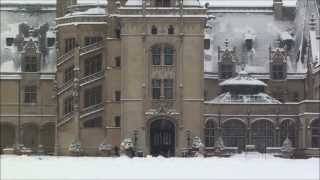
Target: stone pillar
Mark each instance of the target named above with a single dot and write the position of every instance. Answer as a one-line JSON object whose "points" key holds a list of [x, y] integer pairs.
{"points": [[76, 98]]}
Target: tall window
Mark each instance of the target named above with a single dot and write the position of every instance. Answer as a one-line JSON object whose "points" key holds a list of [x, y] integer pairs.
{"points": [[278, 71], [93, 96], [30, 94], [93, 65], [156, 88], [68, 105], [162, 55], [93, 123], [92, 40], [30, 64], [117, 95], [117, 121], [70, 44], [226, 71], [168, 56], [154, 30], [209, 133], [118, 61], [168, 88], [156, 56], [171, 30], [315, 133], [68, 74]]}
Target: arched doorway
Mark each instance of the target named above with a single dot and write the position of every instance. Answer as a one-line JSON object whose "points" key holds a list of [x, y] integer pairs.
{"points": [[30, 135], [209, 133], [234, 133], [288, 129], [262, 132], [162, 138], [315, 133], [7, 135], [47, 136]]}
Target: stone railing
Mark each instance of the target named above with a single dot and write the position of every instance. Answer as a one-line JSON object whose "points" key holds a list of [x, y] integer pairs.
{"points": [[91, 78], [91, 109], [65, 57], [65, 86], [91, 47], [167, 104], [168, 11], [80, 18]]}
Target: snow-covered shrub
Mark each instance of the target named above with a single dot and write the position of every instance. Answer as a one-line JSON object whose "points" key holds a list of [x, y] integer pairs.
{"points": [[126, 147], [75, 147], [219, 143], [105, 147], [287, 149], [197, 147]]}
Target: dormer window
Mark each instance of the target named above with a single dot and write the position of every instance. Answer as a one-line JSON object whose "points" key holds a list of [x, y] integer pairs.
{"points": [[30, 64], [278, 71], [154, 30], [9, 41], [50, 42], [171, 30]]}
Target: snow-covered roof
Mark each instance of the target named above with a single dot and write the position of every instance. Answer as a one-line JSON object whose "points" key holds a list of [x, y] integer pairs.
{"points": [[10, 61], [90, 11], [227, 98], [242, 79], [266, 31]]}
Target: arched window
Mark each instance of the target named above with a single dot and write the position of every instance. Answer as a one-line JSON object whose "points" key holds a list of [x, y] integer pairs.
{"points": [[234, 134], [171, 30], [209, 131], [154, 30], [156, 56], [168, 56], [288, 129], [315, 133], [262, 132]]}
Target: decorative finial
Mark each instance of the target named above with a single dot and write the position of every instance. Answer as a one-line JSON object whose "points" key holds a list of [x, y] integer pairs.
{"points": [[226, 43]]}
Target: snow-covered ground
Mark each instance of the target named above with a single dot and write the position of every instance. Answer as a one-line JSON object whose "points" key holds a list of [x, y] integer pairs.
{"points": [[237, 167]]}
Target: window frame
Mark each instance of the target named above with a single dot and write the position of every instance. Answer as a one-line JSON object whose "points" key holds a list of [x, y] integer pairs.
{"points": [[93, 96], [30, 94]]}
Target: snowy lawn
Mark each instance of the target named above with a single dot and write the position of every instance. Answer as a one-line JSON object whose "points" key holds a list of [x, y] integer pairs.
{"points": [[237, 167]]}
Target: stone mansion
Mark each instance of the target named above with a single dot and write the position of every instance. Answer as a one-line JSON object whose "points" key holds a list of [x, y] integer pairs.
{"points": [[160, 72]]}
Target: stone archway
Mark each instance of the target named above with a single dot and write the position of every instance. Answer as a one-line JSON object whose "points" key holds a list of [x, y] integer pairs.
{"points": [[47, 137], [263, 134], [7, 135], [162, 138], [234, 133]]}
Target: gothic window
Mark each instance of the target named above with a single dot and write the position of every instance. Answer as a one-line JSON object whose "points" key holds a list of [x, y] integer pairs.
{"points": [[50, 42], [226, 71], [278, 71], [118, 95], [68, 74], [93, 65], [117, 122], [92, 40], [70, 44], [30, 94], [118, 61], [209, 133], [207, 44], [156, 56], [154, 30], [315, 133], [68, 105], [288, 129], [30, 64], [9, 41], [234, 133], [168, 88], [93, 96], [168, 56], [156, 88], [171, 30], [93, 123]]}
